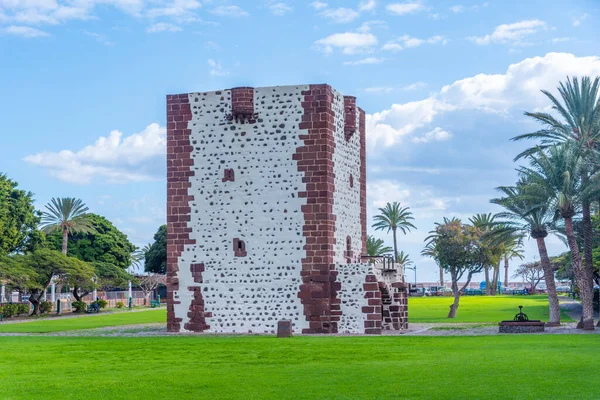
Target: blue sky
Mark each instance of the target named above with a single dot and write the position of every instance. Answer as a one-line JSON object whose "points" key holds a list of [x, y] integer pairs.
{"points": [[444, 83]]}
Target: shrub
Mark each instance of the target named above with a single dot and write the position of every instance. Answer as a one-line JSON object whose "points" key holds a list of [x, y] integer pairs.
{"points": [[10, 310], [102, 303], [45, 307], [79, 306], [22, 308], [120, 304]]}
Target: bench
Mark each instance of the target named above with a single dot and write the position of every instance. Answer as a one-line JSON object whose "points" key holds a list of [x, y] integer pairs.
{"points": [[93, 308], [523, 292], [154, 303]]}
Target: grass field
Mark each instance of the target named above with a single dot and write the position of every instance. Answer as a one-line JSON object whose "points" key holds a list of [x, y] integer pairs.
{"points": [[254, 367], [85, 322], [478, 308]]}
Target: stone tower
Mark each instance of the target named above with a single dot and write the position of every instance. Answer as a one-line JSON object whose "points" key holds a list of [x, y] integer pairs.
{"points": [[266, 214]]}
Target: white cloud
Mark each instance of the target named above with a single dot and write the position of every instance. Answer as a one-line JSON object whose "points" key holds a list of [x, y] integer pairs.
{"points": [[404, 8], [367, 5], [391, 46], [163, 27], [414, 86], [578, 20], [421, 199], [280, 9], [435, 135], [216, 69], [348, 42], [180, 10], [560, 39], [405, 41], [368, 60], [318, 5], [23, 31], [368, 25], [229, 11], [99, 38], [516, 90], [511, 33], [111, 159], [459, 8], [58, 11], [340, 15]]}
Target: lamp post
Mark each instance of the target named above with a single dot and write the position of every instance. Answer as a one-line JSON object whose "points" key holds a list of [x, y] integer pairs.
{"points": [[414, 268]]}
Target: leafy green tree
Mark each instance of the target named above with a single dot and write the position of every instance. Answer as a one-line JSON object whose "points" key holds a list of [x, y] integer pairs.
{"points": [[106, 276], [532, 273], [377, 247], [66, 215], [42, 265], [454, 245], [524, 215], [394, 218], [14, 274], [556, 173], [101, 241], [18, 218], [155, 259]]}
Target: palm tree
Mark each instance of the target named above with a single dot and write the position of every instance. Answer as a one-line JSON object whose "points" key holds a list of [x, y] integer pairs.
{"points": [[393, 217], [69, 215], [512, 248], [579, 122], [138, 256], [430, 251], [403, 259], [525, 215], [556, 173], [485, 223], [377, 247]]}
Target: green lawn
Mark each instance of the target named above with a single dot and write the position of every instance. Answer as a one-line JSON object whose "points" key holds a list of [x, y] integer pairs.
{"points": [[85, 322], [478, 308], [255, 367]]}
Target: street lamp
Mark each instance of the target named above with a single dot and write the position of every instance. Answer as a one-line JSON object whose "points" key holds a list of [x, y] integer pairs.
{"points": [[414, 269]]}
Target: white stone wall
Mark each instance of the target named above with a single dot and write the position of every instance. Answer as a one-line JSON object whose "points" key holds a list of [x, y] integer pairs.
{"points": [[346, 199], [352, 296], [261, 207]]}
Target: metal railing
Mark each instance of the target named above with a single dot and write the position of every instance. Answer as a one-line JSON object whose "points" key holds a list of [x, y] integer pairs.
{"points": [[384, 263]]}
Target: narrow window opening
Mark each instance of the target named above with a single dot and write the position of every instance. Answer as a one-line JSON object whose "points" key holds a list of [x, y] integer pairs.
{"points": [[228, 175]]}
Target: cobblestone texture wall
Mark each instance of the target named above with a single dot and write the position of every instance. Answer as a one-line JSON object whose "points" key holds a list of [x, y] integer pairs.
{"points": [[266, 212]]}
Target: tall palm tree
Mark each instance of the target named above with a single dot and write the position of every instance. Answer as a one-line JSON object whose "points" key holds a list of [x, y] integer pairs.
{"points": [[67, 214], [512, 248], [579, 122], [377, 247], [393, 217], [556, 173], [526, 215]]}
